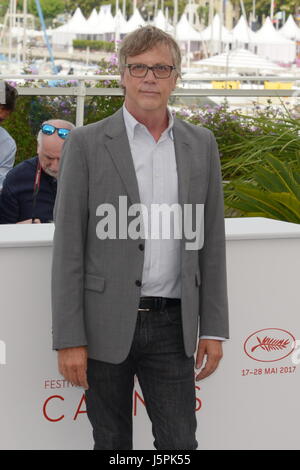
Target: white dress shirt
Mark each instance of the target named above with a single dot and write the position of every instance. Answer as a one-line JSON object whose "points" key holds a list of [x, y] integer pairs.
{"points": [[156, 172], [7, 154]]}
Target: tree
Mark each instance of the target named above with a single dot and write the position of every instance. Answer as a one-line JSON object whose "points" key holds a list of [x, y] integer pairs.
{"points": [[50, 8], [3, 7], [87, 6], [262, 7]]}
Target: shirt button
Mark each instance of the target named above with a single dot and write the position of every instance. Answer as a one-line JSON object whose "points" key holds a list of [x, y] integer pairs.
{"points": [[141, 247], [138, 283]]}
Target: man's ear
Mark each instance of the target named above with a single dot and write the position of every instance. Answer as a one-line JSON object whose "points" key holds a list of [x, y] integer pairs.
{"points": [[122, 78], [175, 81], [122, 82]]}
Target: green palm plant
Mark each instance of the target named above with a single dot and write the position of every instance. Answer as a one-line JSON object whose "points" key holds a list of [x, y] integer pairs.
{"points": [[278, 135], [273, 192]]}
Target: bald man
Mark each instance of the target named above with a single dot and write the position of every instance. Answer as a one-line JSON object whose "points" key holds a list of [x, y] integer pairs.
{"points": [[29, 189]]}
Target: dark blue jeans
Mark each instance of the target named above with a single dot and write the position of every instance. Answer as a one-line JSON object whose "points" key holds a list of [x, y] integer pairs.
{"points": [[167, 381]]}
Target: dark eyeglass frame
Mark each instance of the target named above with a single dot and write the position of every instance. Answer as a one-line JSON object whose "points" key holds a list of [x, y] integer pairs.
{"points": [[154, 68], [62, 132]]}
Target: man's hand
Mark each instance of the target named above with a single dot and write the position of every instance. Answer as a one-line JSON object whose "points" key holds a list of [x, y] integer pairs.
{"points": [[212, 348], [29, 221], [72, 364]]}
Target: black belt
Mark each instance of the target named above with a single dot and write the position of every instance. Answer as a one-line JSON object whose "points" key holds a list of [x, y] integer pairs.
{"points": [[157, 303]]}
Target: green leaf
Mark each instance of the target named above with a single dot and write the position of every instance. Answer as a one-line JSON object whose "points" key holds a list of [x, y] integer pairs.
{"points": [[285, 175], [268, 180], [278, 205], [289, 201]]}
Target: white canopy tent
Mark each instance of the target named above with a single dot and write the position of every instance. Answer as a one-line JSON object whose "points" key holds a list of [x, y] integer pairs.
{"points": [[272, 45], [161, 22], [186, 32], [100, 26], [120, 23], [290, 30], [216, 35], [241, 34], [92, 18], [106, 20], [64, 35], [133, 23], [106, 23], [92, 23], [239, 60], [187, 37], [77, 21]]}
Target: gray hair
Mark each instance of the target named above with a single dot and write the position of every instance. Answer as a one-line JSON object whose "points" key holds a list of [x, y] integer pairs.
{"points": [[145, 38]]}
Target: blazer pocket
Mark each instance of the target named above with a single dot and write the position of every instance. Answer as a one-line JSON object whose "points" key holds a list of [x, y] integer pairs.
{"points": [[94, 283], [198, 278]]}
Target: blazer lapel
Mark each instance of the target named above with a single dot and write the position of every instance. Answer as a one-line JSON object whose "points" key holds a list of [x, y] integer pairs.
{"points": [[118, 147], [182, 152]]}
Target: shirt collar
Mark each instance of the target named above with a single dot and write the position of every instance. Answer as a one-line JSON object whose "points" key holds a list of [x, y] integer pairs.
{"points": [[131, 123]]}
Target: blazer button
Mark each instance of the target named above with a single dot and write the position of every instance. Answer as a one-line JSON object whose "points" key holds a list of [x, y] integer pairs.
{"points": [[138, 283], [141, 247]]}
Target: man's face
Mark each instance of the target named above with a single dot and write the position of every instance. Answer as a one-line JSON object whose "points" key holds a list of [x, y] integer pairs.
{"points": [[49, 152], [4, 113], [149, 94]]}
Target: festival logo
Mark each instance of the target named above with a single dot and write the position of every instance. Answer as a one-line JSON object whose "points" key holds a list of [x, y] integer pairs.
{"points": [[269, 345]]}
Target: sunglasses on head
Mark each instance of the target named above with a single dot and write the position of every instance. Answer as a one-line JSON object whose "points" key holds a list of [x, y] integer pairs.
{"points": [[48, 129]]}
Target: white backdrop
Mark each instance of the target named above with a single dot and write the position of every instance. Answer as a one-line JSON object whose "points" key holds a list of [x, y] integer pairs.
{"points": [[250, 402]]}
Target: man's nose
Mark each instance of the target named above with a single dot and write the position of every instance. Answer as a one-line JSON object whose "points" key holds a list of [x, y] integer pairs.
{"points": [[150, 75], [54, 165]]}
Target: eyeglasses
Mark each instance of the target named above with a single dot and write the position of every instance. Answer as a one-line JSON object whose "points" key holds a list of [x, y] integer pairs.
{"points": [[48, 129], [141, 70]]}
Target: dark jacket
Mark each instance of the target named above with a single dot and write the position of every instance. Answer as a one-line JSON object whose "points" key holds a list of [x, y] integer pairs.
{"points": [[16, 199]]}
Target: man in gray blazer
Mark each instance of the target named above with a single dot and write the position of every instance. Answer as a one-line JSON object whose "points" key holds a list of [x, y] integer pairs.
{"points": [[126, 300]]}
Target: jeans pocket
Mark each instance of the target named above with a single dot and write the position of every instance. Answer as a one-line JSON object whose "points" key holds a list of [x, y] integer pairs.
{"points": [[173, 315]]}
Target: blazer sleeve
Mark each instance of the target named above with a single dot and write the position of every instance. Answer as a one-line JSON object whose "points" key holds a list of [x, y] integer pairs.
{"points": [[9, 204], [70, 218], [212, 257], [7, 158]]}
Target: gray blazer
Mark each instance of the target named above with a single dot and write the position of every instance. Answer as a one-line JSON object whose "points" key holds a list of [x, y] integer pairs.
{"points": [[95, 295]]}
